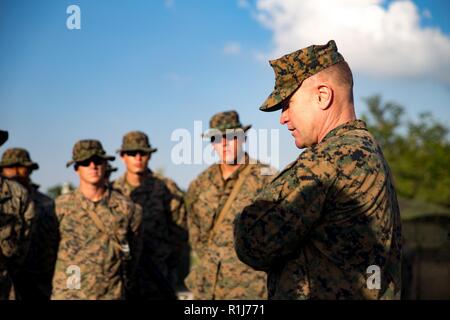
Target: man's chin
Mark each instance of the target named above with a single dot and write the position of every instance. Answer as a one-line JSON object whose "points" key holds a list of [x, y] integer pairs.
{"points": [[299, 144]]}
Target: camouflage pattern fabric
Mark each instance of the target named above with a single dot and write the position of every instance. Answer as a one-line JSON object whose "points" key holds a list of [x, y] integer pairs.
{"points": [[16, 223], [17, 157], [82, 245], [326, 218], [86, 149], [223, 122], [136, 140], [292, 69], [155, 199], [219, 273], [35, 279]]}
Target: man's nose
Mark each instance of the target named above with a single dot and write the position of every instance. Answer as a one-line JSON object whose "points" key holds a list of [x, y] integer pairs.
{"points": [[283, 117], [138, 156]]}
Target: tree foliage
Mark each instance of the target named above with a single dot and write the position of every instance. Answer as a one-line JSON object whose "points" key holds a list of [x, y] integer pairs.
{"points": [[418, 151]]}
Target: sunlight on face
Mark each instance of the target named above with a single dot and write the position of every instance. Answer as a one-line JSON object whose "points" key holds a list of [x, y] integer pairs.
{"points": [[229, 149], [136, 162], [93, 173], [300, 117]]}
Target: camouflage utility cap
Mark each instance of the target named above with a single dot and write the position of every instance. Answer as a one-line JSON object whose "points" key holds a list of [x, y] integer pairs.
{"points": [[3, 136], [86, 149], [17, 157], [223, 121], [136, 141], [292, 69]]}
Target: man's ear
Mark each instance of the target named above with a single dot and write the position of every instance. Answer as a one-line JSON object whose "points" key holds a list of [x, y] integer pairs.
{"points": [[324, 96]]}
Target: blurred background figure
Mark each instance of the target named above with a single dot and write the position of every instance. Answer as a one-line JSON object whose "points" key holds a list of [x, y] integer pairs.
{"points": [[33, 281]]}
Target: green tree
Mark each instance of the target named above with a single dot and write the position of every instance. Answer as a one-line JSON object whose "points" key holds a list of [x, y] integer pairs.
{"points": [[418, 151]]}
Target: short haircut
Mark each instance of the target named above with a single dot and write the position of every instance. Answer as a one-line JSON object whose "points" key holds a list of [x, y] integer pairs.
{"points": [[340, 74]]}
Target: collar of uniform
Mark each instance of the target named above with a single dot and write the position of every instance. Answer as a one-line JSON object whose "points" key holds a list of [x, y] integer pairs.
{"points": [[343, 128], [89, 204], [124, 184], [235, 174]]}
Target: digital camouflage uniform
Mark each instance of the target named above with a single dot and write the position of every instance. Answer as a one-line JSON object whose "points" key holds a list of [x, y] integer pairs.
{"points": [[85, 250], [328, 216], [16, 222], [219, 274], [34, 279], [161, 203]]}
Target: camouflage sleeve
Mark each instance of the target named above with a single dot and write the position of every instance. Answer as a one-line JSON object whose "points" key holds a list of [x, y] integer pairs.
{"points": [[27, 213], [193, 220], [177, 205], [283, 212], [178, 236], [135, 237]]}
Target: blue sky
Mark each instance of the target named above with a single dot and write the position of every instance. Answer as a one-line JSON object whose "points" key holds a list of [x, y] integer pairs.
{"points": [[157, 66]]}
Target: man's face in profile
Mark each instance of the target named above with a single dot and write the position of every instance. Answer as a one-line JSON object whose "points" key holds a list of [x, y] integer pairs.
{"points": [[299, 115]]}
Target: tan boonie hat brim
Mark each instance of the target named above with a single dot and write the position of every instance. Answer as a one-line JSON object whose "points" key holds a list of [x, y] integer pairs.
{"points": [[149, 150], [3, 136], [293, 68], [216, 131], [103, 156]]}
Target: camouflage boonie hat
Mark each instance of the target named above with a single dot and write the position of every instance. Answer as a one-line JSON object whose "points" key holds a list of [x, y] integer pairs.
{"points": [[223, 121], [136, 141], [86, 149], [17, 157], [3, 136], [292, 69]]}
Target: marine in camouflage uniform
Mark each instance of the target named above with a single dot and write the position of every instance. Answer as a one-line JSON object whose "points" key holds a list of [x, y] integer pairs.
{"points": [[96, 260], [329, 216], [16, 222], [219, 273], [163, 217], [33, 281]]}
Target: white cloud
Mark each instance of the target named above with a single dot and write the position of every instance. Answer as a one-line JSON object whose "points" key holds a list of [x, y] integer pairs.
{"points": [[232, 48], [373, 39]]}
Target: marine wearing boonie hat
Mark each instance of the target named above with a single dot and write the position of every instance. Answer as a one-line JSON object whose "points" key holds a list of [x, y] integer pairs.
{"points": [[17, 157]]}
